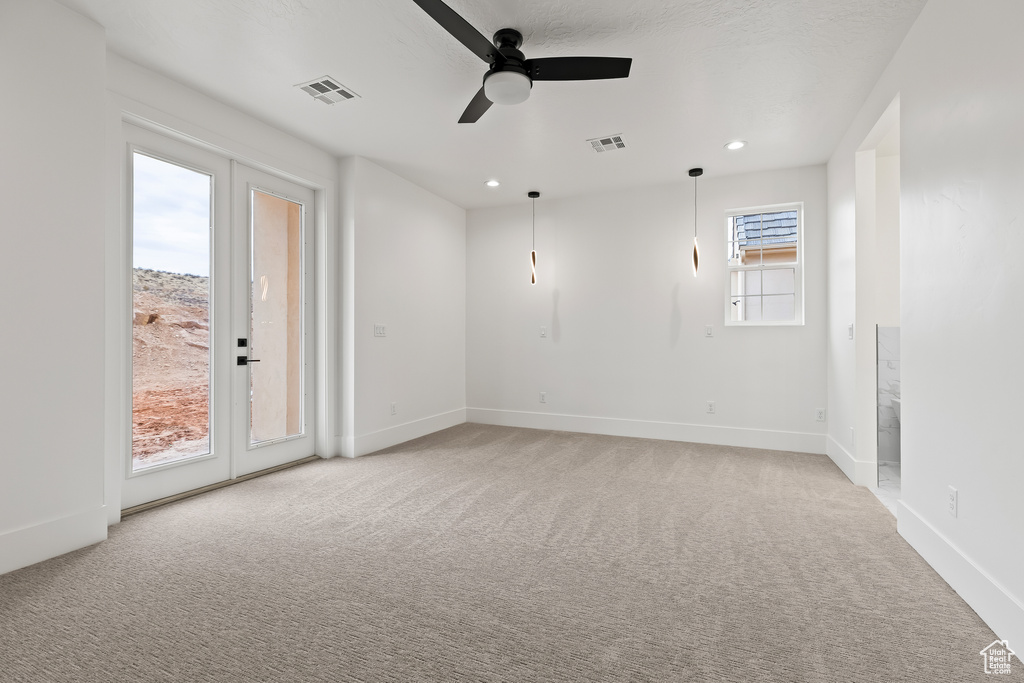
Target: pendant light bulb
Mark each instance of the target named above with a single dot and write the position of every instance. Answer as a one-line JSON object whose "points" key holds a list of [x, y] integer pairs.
{"points": [[533, 194], [695, 173]]}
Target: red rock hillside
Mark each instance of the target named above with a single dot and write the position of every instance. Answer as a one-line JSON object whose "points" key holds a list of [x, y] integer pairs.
{"points": [[170, 357]]}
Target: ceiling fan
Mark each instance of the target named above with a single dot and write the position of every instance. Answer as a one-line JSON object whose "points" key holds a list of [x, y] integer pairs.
{"points": [[511, 75]]}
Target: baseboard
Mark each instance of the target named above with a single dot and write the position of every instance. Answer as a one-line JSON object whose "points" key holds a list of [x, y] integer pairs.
{"points": [[375, 441], [1003, 612], [860, 472], [22, 547], [668, 431]]}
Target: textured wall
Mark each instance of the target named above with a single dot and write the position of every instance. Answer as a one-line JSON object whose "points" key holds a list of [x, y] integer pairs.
{"points": [[961, 364]]}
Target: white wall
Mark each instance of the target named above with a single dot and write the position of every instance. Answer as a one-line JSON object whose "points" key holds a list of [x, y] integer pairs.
{"points": [[958, 78], [405, 251], [52, 191], [625, 351]]}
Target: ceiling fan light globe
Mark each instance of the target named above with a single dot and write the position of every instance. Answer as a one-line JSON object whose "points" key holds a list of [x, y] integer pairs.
{"points": [[507, 87]]}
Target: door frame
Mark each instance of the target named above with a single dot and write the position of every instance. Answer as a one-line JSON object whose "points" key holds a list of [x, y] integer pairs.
{"points": [[292, 161]]}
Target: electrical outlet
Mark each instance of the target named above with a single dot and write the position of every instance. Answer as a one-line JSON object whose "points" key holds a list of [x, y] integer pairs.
{"points": [[952, 504], [711, 407], [849, 331], [394, 409], [852, 435], [379, 330], [819, 415], [543, 332], [543, 397], [709, 331]]}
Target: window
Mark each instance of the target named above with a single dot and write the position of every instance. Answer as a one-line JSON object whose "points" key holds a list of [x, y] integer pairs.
{"points": [[764, 270]]}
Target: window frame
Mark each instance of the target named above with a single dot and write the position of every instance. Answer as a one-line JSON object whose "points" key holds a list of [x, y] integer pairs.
{"points": [[797, 265]]}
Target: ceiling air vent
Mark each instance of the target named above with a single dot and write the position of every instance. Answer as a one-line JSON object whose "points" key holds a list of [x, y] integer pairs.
{"points": [[607, 144], [328, 90]]}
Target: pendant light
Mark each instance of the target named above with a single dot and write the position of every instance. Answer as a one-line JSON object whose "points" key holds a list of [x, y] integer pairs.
{"points": [[695, 173], [533, 194]]}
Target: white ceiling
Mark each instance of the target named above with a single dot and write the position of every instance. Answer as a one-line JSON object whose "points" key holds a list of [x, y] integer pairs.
{"points": [[785, 75]]}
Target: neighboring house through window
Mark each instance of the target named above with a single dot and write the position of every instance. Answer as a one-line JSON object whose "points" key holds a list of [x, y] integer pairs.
{"points": [[765, 274]]}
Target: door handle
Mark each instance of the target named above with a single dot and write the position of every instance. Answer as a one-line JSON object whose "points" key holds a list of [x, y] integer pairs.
{"points": [[245, 360]]}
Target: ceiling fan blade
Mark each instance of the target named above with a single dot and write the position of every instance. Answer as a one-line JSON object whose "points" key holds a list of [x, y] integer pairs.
{"points": [[476, 108], [462, 30], [577, 68]]}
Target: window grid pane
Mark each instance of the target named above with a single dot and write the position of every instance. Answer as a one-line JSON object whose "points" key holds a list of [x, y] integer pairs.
{"points": [[779, 280], [778, 308]]}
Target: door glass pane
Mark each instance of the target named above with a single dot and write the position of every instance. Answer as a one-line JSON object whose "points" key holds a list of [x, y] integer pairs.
{"points": [[276, 310], [171, 360]]}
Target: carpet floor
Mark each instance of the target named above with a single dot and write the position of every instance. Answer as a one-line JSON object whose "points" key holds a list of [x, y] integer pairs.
{"points": [[484, 553]]}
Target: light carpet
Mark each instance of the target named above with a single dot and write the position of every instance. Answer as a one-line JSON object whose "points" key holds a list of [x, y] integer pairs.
{"points": [[486, 553]]}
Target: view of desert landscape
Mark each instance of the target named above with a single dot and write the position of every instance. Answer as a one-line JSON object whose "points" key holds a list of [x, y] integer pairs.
{"points": [[170, 366]]}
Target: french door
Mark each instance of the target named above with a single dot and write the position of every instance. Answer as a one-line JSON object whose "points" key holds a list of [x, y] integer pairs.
{"points": [[221, 371], [274, 283]]}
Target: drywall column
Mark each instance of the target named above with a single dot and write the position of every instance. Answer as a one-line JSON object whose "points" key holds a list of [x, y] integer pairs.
{"points": [[878, 270], [51, 276], [887, 238], [865, 445]]}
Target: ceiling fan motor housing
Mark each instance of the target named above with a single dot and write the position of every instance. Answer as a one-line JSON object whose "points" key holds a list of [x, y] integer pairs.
{"points": [[508, 37], [508, 82]]}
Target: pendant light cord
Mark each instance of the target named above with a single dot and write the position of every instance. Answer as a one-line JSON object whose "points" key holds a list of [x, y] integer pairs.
{"points": [[695, 207], [534, 232]]}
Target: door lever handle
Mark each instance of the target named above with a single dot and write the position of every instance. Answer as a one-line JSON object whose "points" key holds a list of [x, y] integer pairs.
{"points": [[245, 360]]}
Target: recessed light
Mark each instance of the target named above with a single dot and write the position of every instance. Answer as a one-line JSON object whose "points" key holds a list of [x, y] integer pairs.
{"points": [[736, 144], [492, 183]]}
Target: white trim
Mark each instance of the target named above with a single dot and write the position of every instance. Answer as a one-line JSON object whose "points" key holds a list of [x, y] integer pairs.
{"points": [[375, 441], [742, 437], [1002, 611], [28, 545], [312, 180], [860, 472], [117, 374]]}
